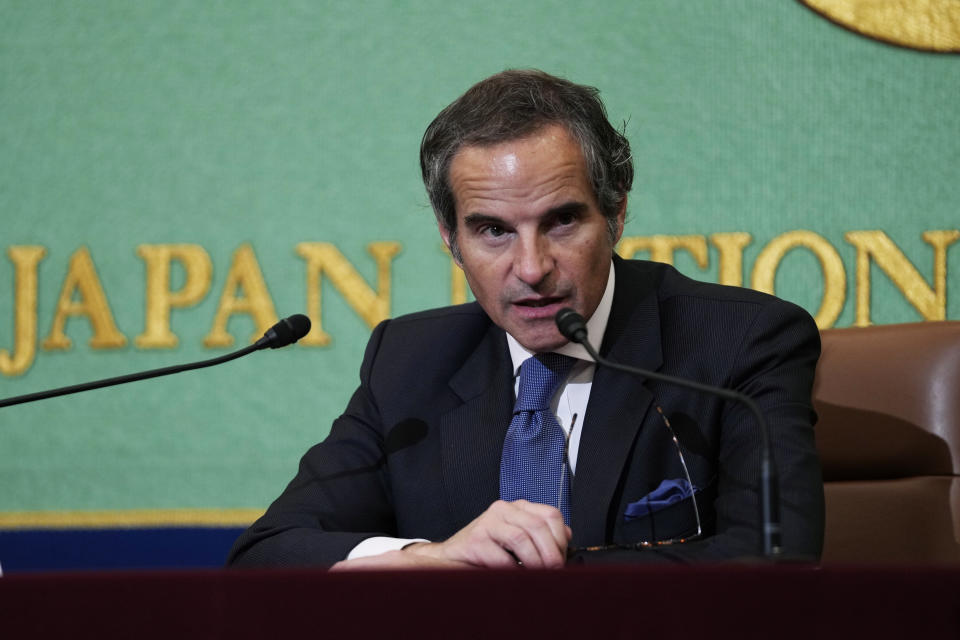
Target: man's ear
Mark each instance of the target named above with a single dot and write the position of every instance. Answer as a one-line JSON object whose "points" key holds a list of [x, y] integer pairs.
{"points": [[621, 218], [445, 235]]}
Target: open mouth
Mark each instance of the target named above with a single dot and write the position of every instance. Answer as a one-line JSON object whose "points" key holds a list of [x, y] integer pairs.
{"points": [[538, 308], [542, 302]]}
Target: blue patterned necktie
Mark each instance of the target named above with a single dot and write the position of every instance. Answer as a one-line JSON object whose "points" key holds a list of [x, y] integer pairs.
{"points": [[533, 465]]}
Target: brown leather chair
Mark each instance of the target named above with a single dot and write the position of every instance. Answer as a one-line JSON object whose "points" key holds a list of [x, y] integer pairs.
{"points": [[888, 398]]}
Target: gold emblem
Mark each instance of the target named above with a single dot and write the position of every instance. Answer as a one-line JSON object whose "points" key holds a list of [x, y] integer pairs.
{"points": [[927, 25]]}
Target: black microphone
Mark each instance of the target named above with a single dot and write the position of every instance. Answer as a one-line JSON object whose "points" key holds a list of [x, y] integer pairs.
{"points": [[404, 435], [285, 332], [573, 327]]}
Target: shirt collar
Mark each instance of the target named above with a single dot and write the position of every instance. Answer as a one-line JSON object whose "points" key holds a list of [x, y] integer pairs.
{"points": [[596, 326]]}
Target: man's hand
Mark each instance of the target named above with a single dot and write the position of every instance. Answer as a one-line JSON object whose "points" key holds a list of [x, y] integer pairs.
{"points": [[508, 534], [505, 535]]}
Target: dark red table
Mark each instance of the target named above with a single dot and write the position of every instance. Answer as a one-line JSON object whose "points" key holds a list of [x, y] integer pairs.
{"points": [[584, 603]]}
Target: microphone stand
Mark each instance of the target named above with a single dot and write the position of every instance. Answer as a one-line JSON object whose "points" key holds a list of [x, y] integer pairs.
{"points": [[573, 327], [132, 377], [283, 333]]}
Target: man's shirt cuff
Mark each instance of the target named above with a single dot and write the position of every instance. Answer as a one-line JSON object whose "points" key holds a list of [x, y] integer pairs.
{"points": [[380, 544]]}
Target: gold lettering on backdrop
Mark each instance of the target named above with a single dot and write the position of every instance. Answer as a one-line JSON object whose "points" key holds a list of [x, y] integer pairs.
{"points": [[372, 306], [160, 299], [25, 260], [662, 248], [730, 246], [82, 279], [876, 245], [834, 275], [245, 290], [244, 274]]}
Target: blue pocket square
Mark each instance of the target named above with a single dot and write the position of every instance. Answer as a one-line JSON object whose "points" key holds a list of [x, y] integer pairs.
{"points": [[669, 492]]}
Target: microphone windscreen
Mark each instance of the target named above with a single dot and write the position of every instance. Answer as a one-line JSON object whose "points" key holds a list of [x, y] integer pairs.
{"points": [[405, 434], [570, 323], [299, 326], [285, 332]]}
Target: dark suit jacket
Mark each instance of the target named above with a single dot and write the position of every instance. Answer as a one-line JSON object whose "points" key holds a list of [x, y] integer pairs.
{"points": [[447, 374]]}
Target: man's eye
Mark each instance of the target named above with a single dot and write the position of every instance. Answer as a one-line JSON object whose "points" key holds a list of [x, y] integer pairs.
{"points": [[565, 220], [492, 230]]}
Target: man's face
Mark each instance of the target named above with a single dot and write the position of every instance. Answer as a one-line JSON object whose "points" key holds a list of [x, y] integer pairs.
{"points": [[530, 232]]}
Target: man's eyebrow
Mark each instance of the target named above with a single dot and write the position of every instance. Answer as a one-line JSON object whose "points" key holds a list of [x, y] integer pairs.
{"points": [[477, 219], [571, 208]]}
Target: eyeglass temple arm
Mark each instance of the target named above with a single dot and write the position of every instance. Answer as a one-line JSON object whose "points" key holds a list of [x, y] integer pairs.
{"points": [[769, 480]]}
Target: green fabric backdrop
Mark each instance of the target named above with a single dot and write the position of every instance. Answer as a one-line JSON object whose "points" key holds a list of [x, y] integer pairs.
{"points": [[221, 124]]}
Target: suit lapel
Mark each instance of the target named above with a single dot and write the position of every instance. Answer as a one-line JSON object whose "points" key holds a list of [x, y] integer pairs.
{"points": [[618, 403], [472, 434]]}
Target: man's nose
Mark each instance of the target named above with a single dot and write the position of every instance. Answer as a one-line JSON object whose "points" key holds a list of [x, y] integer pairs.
{"points": [[533, 260]]}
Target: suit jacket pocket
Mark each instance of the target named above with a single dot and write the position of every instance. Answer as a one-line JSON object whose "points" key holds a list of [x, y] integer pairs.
{"points": [[677, 520]]}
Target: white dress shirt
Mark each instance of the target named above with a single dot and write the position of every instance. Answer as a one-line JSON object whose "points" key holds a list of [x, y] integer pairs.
{"points": [[569, 404]]}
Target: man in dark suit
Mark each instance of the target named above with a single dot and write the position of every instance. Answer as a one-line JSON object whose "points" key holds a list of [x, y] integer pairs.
{"points": [[529, 184]]}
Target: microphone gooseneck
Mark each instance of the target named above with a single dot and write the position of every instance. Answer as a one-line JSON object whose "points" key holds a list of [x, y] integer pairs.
{"points": [[285, 332], [574, 328]]}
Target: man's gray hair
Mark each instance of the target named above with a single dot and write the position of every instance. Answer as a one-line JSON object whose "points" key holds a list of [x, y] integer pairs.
{"points": [[514, 104]]}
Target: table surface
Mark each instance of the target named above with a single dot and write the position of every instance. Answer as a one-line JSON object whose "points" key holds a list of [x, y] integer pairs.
{"points": [[588, 602]]}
